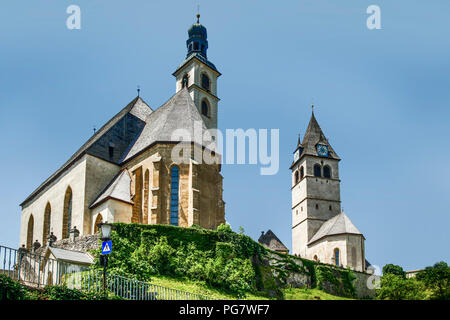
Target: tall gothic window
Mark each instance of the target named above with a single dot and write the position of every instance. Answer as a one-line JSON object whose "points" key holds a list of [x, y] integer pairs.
{"points": [[174, 183], [302, 172], [327, 172], [67, 215], [205, 82], [296, 177], [47, 223], [317, 170], [146, 196], [336, 257], [98, 220], [30, 231]]}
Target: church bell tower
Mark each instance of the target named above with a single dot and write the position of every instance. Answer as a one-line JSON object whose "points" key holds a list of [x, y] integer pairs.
{"points": [[315, 186], [199, 75]]}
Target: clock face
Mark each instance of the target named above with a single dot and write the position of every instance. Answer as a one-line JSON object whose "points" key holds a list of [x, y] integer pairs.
{"points": [[322, 150]]}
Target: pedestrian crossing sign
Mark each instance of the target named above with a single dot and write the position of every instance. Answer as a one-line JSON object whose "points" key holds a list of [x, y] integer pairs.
{"points": [[106, 247]]}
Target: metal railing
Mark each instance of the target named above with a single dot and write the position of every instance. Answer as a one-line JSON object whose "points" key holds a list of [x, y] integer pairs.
{"points": [[39, 271], [32, 269]]}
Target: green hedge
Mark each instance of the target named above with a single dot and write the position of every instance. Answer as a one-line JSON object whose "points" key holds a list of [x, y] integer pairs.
{"points": [[220, 258]]}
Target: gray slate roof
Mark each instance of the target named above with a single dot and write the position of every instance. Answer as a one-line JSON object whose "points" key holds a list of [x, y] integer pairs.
{"points": [[313, 136], [340, 224], [119, 189], [71, 256], [179, 112], [137, 107], [271, 241]]}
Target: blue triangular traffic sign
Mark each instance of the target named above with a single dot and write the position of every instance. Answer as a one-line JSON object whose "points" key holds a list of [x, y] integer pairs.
{"points": [[106, 247]]}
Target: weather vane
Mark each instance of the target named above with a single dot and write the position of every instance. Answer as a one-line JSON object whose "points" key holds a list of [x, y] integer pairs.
{"points": [[138, 90]]}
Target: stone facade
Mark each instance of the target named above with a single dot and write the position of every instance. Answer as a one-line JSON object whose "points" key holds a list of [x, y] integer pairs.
{"points": [[314, 200], [320, 230], [193, 70], [200, 189]]}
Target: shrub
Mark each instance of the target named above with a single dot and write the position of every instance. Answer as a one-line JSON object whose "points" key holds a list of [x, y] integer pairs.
{"points": [[437, 279], [394, 269], [11, 290], [335, 281], [395, 287]]}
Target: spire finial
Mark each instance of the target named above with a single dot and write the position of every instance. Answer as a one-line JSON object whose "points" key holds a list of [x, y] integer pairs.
{"points": [[198, 13], [312, 108], [298, 143], [138, 90]]}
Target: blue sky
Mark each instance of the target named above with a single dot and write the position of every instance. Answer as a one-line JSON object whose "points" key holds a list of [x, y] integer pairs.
{"points": [[382, 98]]}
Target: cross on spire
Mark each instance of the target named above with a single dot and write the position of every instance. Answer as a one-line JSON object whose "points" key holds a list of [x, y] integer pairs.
{"points": [[198, 13]]}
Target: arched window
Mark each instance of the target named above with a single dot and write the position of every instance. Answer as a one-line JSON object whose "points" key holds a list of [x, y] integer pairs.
{"points": [[205, 108], [174, 183], [185, 81], [196, 46], [98, 220], [296, 177], [47, 223], [146, 195], [67, 215], [327, 171], [205, 81], [336, 257], [302, 172], [30, 231], [317, 170]]}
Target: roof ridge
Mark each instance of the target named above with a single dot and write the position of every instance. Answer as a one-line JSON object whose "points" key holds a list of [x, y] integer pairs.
{"points": [[80, 151]]}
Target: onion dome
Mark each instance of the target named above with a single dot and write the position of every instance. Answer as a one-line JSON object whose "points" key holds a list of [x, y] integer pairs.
{"points": [[197, 42]]}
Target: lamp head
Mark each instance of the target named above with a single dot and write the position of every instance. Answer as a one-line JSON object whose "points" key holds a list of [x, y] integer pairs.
{"points": [[106, 229]]}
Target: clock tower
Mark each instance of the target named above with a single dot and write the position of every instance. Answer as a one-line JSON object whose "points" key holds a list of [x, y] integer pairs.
{"points": [[199, 75], [315, 187]]}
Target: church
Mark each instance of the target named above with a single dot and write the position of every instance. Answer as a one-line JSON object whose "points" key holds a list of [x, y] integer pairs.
{"points": [[125, 172], [320, 230]]}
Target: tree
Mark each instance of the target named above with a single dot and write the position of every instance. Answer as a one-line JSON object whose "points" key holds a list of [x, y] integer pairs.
{"points": [[394, 269], [395, 287], [437, 279]]}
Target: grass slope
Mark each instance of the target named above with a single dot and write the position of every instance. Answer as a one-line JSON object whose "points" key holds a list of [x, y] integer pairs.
{"points": [[204, 289]]}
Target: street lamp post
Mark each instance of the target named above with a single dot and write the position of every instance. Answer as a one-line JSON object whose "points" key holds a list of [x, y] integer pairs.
{"points": [[106, 236]]}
